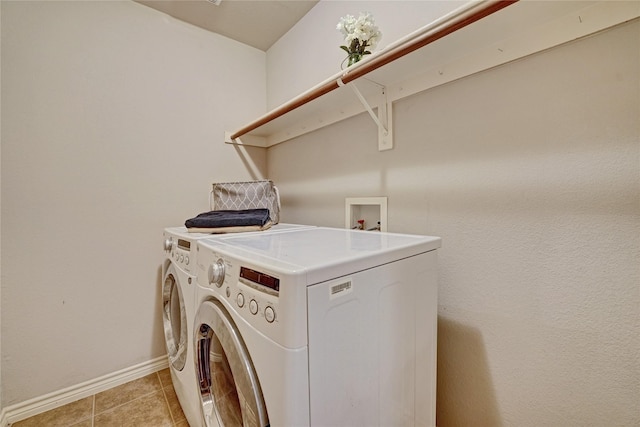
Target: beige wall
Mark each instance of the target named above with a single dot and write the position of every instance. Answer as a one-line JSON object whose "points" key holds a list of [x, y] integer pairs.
{"points": [[315, 40], [113, 119], [113, 116], [530, 174]]}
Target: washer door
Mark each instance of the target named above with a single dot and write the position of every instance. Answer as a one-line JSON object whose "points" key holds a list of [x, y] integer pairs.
{"points": [[174, 319], [230, 393]]}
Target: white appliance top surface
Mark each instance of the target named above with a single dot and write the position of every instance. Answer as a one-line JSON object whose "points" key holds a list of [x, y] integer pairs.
{"points": [[321, 253], [184, 233]]}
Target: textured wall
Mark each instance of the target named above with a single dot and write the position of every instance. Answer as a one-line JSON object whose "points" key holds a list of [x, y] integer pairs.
{"points": [[530, 174], [113, 118]]}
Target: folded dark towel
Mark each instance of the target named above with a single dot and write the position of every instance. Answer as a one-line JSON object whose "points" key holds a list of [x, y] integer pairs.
{"points": [[228, 218]]}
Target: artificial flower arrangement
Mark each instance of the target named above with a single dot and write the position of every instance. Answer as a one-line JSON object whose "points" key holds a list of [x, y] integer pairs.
{"points": [[361, 35]]}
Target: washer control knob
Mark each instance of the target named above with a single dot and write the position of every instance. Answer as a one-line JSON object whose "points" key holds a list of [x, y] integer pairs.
{"points": [[253, 306], [168, 244], [240, 300], [269, 314], [216, 272]]}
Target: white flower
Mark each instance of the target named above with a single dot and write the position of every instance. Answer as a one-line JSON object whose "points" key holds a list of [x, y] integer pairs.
{"points": [[361, 35], [346, 25]]}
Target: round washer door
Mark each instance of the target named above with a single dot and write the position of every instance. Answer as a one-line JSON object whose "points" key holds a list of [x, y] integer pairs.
{"points": [[174, 319], [230, 393]]}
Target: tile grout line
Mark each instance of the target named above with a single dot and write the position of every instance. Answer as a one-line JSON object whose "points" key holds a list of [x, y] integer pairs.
{"points": [[128, 401], [166, 401], [94, 413]]}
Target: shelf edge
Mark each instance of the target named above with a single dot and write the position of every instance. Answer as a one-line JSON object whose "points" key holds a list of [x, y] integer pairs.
{"points": [[457, 19]]}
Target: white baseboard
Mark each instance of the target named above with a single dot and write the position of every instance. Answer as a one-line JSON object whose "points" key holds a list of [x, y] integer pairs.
{"points": [[38, 405]]}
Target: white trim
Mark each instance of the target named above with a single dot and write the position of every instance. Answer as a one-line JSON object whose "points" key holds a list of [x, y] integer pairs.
{"points": [[38, 405]]}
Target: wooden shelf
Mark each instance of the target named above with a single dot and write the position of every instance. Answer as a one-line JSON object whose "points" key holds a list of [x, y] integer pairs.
{"points": [[475, 37]]}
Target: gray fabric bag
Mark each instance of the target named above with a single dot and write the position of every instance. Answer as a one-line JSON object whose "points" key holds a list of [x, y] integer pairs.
{"points": [[243, 195]]}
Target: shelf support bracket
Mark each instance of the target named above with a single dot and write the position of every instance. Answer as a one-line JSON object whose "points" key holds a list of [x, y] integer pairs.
{"points": [[384, 117], [247, 140]]}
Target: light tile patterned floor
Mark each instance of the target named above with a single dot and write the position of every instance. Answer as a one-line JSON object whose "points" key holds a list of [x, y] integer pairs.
{"points": [[146, 402]]}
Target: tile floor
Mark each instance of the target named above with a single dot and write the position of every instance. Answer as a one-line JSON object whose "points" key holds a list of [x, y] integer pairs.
{"points": [[146, 402]]}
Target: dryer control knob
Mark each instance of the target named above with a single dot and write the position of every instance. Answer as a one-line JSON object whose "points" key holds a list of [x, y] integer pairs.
{"points": [[253, 306], [168, 244], [216, 273], [269, 314]]}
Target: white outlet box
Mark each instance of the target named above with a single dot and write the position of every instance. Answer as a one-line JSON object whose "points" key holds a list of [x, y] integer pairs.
{"points": [[372, 210]]}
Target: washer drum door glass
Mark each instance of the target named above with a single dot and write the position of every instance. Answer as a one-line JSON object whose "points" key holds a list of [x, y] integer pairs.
{"points": [[230, 393], [174, 320]]}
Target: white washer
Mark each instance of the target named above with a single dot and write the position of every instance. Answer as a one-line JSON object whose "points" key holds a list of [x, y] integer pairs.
{"points": [[317, 327], [178, 311]]}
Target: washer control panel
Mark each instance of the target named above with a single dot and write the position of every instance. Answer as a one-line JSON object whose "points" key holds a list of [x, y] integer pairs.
{"points": [[270, 297], [255, 304], [261, 290], [252, 293], [180, 252]]}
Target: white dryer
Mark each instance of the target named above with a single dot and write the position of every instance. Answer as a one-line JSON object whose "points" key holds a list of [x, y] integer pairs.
{"points": [[317, 327], [178, 311]]}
